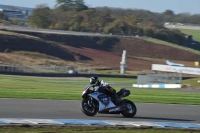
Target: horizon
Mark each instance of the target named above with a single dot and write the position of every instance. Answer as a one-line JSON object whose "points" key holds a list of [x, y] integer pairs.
{"points": [[100, 6], [151, 5]]}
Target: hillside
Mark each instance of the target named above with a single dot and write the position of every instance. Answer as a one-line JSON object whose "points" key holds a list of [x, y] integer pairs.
{"points": [[195, 33], [98, 52]]}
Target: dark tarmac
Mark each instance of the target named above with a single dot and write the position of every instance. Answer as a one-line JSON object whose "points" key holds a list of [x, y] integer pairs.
{"points": [[62, 109]]}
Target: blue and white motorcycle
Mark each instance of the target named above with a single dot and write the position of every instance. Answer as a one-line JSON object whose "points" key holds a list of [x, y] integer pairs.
{"points": [[96, 102]]}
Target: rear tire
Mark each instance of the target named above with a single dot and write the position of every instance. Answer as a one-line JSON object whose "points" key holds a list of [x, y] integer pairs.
{"points": [[129, 108], [87, 109]]}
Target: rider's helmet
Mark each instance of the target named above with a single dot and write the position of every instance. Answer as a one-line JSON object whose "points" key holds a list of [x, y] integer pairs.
{"points": [[94, 81]]}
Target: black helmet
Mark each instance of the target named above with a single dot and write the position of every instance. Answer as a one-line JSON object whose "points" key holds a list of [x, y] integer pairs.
{"points": [[94, 80]]}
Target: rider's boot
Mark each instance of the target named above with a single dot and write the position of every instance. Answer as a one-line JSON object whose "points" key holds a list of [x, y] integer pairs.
{"points": [[117, 99]]}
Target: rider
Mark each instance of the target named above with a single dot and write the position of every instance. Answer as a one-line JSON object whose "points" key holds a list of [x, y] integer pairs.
{"points": [[105, 88]]}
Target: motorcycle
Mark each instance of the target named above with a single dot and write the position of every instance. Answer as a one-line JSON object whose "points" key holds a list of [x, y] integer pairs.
{"points": [[97, 102]]}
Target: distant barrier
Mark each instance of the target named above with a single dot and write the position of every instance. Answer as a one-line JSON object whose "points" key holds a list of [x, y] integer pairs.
{"points": [[161, 86], [54, 71], [160, 78], [50, 31], [45, 69]]}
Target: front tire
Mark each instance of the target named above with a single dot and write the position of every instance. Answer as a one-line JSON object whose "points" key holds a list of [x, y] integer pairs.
{"points": [[89, 110], [129, 109]]}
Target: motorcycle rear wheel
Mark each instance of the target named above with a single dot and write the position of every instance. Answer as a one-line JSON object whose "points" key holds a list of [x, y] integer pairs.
{"points": [[129, 108], [89, 110]]}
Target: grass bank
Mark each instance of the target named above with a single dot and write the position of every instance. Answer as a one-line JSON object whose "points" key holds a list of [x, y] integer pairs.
{"points": [[194, 33], [171, 45]]}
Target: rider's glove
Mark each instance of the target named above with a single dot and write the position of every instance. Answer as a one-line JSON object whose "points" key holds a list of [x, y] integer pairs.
{"points": [[96, 88]]}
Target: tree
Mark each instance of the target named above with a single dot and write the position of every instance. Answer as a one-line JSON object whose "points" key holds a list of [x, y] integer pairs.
{"points": [[67, 5], [41, 17], [118, 27], [131, 20], [148, 32], [80, 6], [168, 12], [3, 16]]}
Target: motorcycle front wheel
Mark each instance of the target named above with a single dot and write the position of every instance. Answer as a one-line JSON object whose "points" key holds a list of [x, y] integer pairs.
{"points": [[89, 108], [129, 109]]}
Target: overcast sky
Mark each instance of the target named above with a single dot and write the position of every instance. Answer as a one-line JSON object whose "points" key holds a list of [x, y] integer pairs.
{"points": [[178, 6]]}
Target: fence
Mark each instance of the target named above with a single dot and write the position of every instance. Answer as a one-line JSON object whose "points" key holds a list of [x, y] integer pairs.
{"points": [[167, 78], [39, 30], [46, 69]]}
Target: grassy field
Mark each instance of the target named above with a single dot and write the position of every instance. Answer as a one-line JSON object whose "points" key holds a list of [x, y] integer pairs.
{"points": [[171, 44], [194, 82], [194, 33], [68, 89], [71, 129]]}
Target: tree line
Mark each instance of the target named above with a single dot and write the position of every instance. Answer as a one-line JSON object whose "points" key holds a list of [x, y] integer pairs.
{"points": [[3, 16], [74, 15]]}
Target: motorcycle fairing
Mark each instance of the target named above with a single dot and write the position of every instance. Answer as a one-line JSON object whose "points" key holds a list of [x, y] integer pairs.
{"points": [[104, 103]]}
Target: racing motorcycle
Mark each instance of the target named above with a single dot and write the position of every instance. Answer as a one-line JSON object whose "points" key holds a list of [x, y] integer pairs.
{"points": [[97, 102]]}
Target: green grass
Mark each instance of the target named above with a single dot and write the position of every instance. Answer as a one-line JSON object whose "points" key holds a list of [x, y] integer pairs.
{"points": [[27, 87], [66, 89], [194, 33], [170, 44], [36, 55], [79, 129], [194, 82]]}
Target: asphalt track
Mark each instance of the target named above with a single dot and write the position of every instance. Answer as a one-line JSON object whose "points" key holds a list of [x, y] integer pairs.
{"points": [[62, 109]]}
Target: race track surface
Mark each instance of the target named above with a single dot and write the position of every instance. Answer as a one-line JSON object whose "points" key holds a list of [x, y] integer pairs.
{"points": [[62, 109]]}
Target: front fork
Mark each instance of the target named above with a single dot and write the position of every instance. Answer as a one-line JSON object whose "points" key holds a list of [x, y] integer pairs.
{"points": [[90, 101]]}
